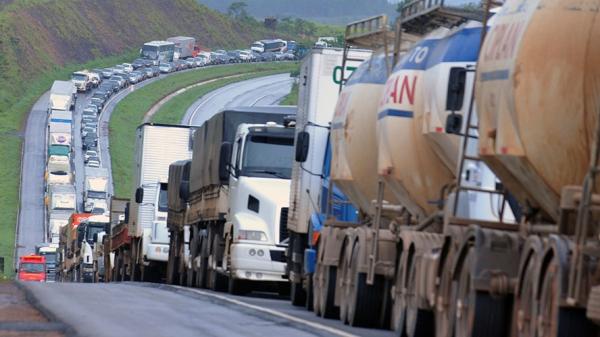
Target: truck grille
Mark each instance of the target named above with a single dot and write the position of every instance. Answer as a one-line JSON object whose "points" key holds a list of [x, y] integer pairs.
{"points": [[283, 231]]}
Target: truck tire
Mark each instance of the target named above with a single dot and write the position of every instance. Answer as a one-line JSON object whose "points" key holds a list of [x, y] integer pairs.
{"points": [[316, 292], [328, 308], [364, 301], [201, 275], [419, 322], [297, 294], [237, 286], [477, 312], [556, 321], [217, 281]]}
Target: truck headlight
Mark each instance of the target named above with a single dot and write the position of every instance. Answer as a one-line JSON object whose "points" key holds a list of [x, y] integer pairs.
{"points": [[252, 235]]}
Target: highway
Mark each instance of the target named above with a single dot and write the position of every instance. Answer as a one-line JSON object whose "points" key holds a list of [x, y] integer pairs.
{"points": [[268, 90], [31, 228], [138, 309], [130, 306]]}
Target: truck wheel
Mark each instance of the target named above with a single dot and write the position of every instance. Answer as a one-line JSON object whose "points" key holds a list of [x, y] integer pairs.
{"points": [[237, 286], [297, 294], [308, 294], [399, 304], [444, 312], [343, 280], [316, 292], [217, 281], [554, 321], [419, 322], [328, 308], [202, 263], [525, 303], [365, 301], [477, 312]]}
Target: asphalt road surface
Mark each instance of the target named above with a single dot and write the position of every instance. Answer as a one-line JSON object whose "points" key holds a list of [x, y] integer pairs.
{"points": [[268, 90], [134, 309], [31, 229]]}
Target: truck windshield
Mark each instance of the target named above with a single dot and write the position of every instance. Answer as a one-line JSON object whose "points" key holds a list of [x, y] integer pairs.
{"points": [[268, 156], [79, 77], [50, 257], [94, 229], [163, 206], [96, 195], [29, 267]]}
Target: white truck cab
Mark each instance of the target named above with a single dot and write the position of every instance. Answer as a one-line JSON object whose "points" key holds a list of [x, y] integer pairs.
{"points": [[259, 189], [156, 238]]}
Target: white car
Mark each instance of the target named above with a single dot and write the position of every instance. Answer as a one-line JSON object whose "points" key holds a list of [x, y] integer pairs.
{"points": [[90, 154], [93, 162], [127, 67]]}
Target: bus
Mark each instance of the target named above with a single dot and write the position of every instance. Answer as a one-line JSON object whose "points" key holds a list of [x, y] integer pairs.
{"points": [[32, 268], [158, 51]]}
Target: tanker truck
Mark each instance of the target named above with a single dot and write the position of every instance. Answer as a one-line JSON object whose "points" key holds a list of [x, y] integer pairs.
{"points": [[157, 146], [401, 174], [232, 200]]}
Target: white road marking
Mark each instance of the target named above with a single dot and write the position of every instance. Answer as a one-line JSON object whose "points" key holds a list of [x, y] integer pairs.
{"points": [[276, 313]]}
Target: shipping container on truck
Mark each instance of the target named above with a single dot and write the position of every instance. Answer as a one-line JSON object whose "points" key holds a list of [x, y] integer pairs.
{"points": [[157, 146], [321, 72], [62, 96], [184, 46], [236, 196]]}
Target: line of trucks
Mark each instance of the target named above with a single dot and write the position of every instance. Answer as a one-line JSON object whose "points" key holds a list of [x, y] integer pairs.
{"points": [[70, 235], [446, 188]]}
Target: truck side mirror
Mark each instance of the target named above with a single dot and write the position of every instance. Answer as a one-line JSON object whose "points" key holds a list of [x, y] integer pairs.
{"points": [[126, 220], [95, 238], [224, 158], [302, 144], [139, 195], [454, 123], [184, 190], [456, 88]]}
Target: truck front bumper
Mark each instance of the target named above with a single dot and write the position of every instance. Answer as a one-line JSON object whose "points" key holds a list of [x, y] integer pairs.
{"points": [[258, 262], [158, 252]]}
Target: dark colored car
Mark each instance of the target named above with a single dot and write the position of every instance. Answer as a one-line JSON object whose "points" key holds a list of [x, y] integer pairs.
{"points": [[101, 93], [98, 102]]}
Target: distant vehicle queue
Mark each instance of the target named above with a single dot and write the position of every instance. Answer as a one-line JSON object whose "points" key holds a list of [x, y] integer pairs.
{"points": [[79, 226]]}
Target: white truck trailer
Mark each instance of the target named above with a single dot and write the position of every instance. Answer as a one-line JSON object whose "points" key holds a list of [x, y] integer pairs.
{"points": [[322, 71], [157, 146], [235, 198], [95, 193], [184, 46], [58, 170], [62, 96], [57, 220], [60, 126]]}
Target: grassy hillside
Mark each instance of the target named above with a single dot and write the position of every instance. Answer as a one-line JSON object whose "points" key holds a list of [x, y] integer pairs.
{"points": [[44, 40], [325, 11]]}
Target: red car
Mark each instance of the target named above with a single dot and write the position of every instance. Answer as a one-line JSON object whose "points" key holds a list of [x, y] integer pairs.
{"points": [[32, 268]]}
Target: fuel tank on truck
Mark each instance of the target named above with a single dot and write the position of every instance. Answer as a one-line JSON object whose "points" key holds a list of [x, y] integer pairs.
{"points": [[416, 157], [354, 157], [538, 91]]}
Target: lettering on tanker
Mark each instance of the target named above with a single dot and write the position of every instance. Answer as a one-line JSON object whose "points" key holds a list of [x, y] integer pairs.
{"points": [[400, 89]]}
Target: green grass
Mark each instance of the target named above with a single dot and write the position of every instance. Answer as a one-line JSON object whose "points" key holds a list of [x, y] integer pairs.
{"points": [[12, 119], [292, 97], [129, 113]]}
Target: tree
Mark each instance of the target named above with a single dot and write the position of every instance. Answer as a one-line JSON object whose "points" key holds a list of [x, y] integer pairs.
{"points": [[238, 10]]}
